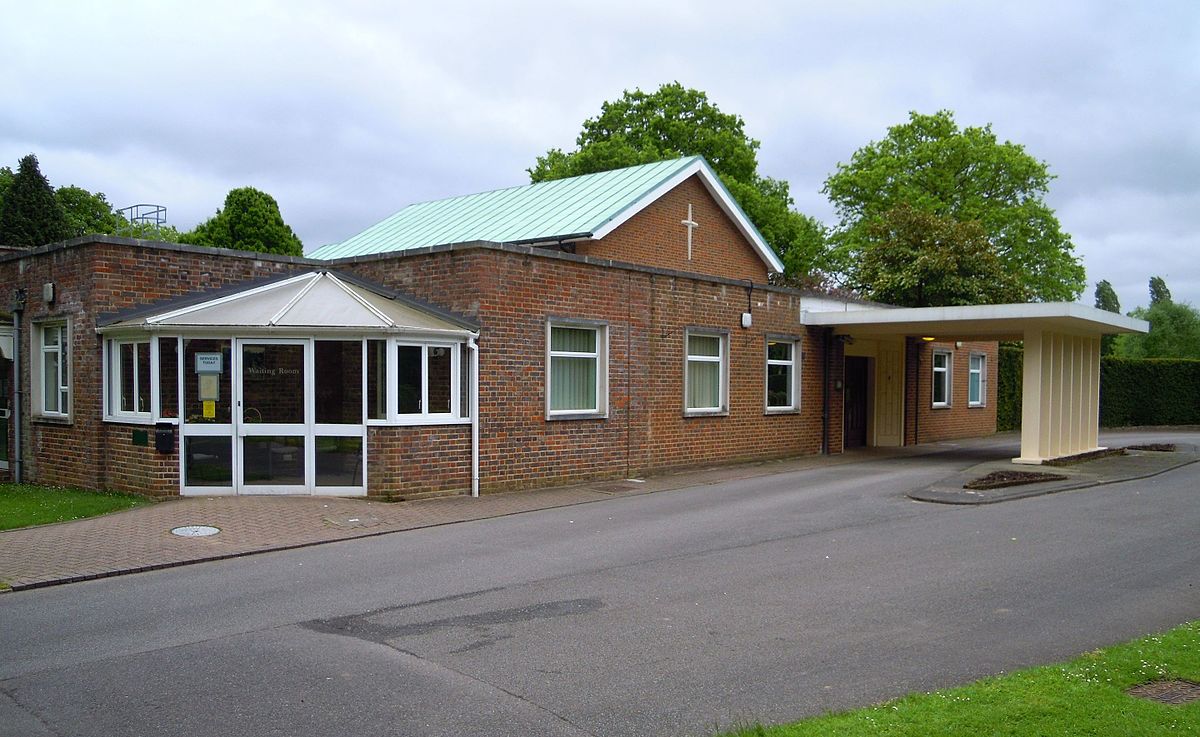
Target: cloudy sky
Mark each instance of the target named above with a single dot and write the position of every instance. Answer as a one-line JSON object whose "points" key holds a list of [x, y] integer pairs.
{"points": [[347, 112]]}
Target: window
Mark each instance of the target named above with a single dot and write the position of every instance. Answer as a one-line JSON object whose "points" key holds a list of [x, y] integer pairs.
{"points": [[129, 378], [576, 376], [705, 373], [941, 378], [977, 380], [781, 375], [424, 379], [52, 373]]}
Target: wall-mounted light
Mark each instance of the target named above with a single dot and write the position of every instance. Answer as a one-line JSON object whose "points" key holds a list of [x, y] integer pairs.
{"points": [[928, 338]]}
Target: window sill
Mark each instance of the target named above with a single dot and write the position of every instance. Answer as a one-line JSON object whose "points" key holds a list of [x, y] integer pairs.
{"points": [[420, 422], [51, 420], [705, 413], [576, 416], [941, 406], [976, 406], [782, 411], [128, 420]]}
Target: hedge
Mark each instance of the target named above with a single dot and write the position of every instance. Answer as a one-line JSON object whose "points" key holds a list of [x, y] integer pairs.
{"points": [[1133, 391]]}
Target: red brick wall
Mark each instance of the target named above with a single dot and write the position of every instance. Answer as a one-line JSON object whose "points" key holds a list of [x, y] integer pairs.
{"points": [[958, 420], [657, 237], [90, 280], [412, 462], [513, 295]]}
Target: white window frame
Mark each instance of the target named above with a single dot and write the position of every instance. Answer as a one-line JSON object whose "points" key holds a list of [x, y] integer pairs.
{"points": [[793, 365], [62, 349], [981, 401], [599, 408], [424, 416], [947, 376], [112, 378], [723, 362]]}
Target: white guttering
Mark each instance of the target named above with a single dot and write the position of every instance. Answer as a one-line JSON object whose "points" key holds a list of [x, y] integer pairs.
{"points": [[474, 348]]}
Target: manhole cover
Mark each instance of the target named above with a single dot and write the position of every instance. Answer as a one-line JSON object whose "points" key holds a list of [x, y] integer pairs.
{"points": [[1174, 693], [195, 531]]}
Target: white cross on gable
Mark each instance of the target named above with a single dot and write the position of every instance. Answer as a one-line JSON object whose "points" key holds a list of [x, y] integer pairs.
{"points": [[691, 225]]}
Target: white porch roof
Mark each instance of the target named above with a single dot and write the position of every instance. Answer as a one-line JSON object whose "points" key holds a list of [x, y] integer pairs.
{"points": [[313, 301], [976, 322]]}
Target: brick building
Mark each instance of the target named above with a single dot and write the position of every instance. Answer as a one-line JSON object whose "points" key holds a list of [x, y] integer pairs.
{"points": [[610, 325]]}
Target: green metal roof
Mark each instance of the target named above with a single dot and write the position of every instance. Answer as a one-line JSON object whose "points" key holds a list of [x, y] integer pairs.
{"points": [[546, 211]]}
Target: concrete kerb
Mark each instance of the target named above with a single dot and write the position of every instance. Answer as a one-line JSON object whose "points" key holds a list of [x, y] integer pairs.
{"points": [[1134, 465]]}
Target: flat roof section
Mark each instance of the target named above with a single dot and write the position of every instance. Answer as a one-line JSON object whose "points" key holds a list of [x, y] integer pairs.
{"points": [[976, 322]]}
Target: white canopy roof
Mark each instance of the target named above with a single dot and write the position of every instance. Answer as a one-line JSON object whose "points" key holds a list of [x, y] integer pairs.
{"points": [[314, 301], [977, 322]]}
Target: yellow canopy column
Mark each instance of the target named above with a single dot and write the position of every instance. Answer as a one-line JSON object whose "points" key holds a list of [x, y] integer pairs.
{"points": [[1060, 403]]}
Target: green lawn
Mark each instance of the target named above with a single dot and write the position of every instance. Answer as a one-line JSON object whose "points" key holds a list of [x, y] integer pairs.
{"points": [[1083, 697], [22, 505]]}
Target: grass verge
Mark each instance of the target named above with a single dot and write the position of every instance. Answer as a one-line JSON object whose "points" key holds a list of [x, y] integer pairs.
{"points": [[1083, 697], [22, 505]]}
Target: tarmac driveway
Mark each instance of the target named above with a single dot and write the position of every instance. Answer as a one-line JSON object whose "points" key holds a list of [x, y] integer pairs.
{"points": [[767, 598]]}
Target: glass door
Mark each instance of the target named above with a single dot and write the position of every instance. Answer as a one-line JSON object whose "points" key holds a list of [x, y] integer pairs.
{"points": [[206, 423], [6, 370], [272, 415]]}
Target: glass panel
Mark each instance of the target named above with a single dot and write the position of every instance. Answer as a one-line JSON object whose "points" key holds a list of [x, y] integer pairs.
{"points": [[573, 340], [779, 386], [464, 381], [168, 377], [50, 394], [408, 379], [143, 377], [973, 387], [50, 337], [439, 379], [339, 461], [193, 408], [5, 404], [338, 368], [377, 379], [704, 385], [126, 366], [940, 360], [572, 383], [209, 461], [273, 383], [704, 345], [779, 351], [273, 461], [939, 387]]}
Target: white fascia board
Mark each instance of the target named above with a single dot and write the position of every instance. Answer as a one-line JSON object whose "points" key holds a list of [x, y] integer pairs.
{"points": [[1014, 313], [715, 188]]}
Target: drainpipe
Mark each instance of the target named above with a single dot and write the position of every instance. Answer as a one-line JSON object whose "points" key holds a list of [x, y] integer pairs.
{"points": [[18, 306], [825, 392], [474, 348], [917, 396]]}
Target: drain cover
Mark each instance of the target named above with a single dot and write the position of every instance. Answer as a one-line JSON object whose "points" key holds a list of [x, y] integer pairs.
{"points": [[1174, 693], [195, 531]]}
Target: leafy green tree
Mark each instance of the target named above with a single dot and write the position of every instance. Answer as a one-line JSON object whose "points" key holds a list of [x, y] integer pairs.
{"points": [[1106, 299], [1174, 333], [674, 121], [966, 175], [925, 260], [30, 215], [87, 213], [1158, 291], [6, 177], [249, 221]]}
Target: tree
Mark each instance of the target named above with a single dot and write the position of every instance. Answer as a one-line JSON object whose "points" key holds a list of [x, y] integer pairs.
{"points": [[1158, 291], [249, 221], [1106, 299], [925, 260], [87, 213], [674, 121], [965, 175], [30, 216], [1174, 333]]}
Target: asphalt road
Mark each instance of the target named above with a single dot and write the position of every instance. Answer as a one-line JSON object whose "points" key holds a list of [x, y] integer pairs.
{"points": [[675, 613]]}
